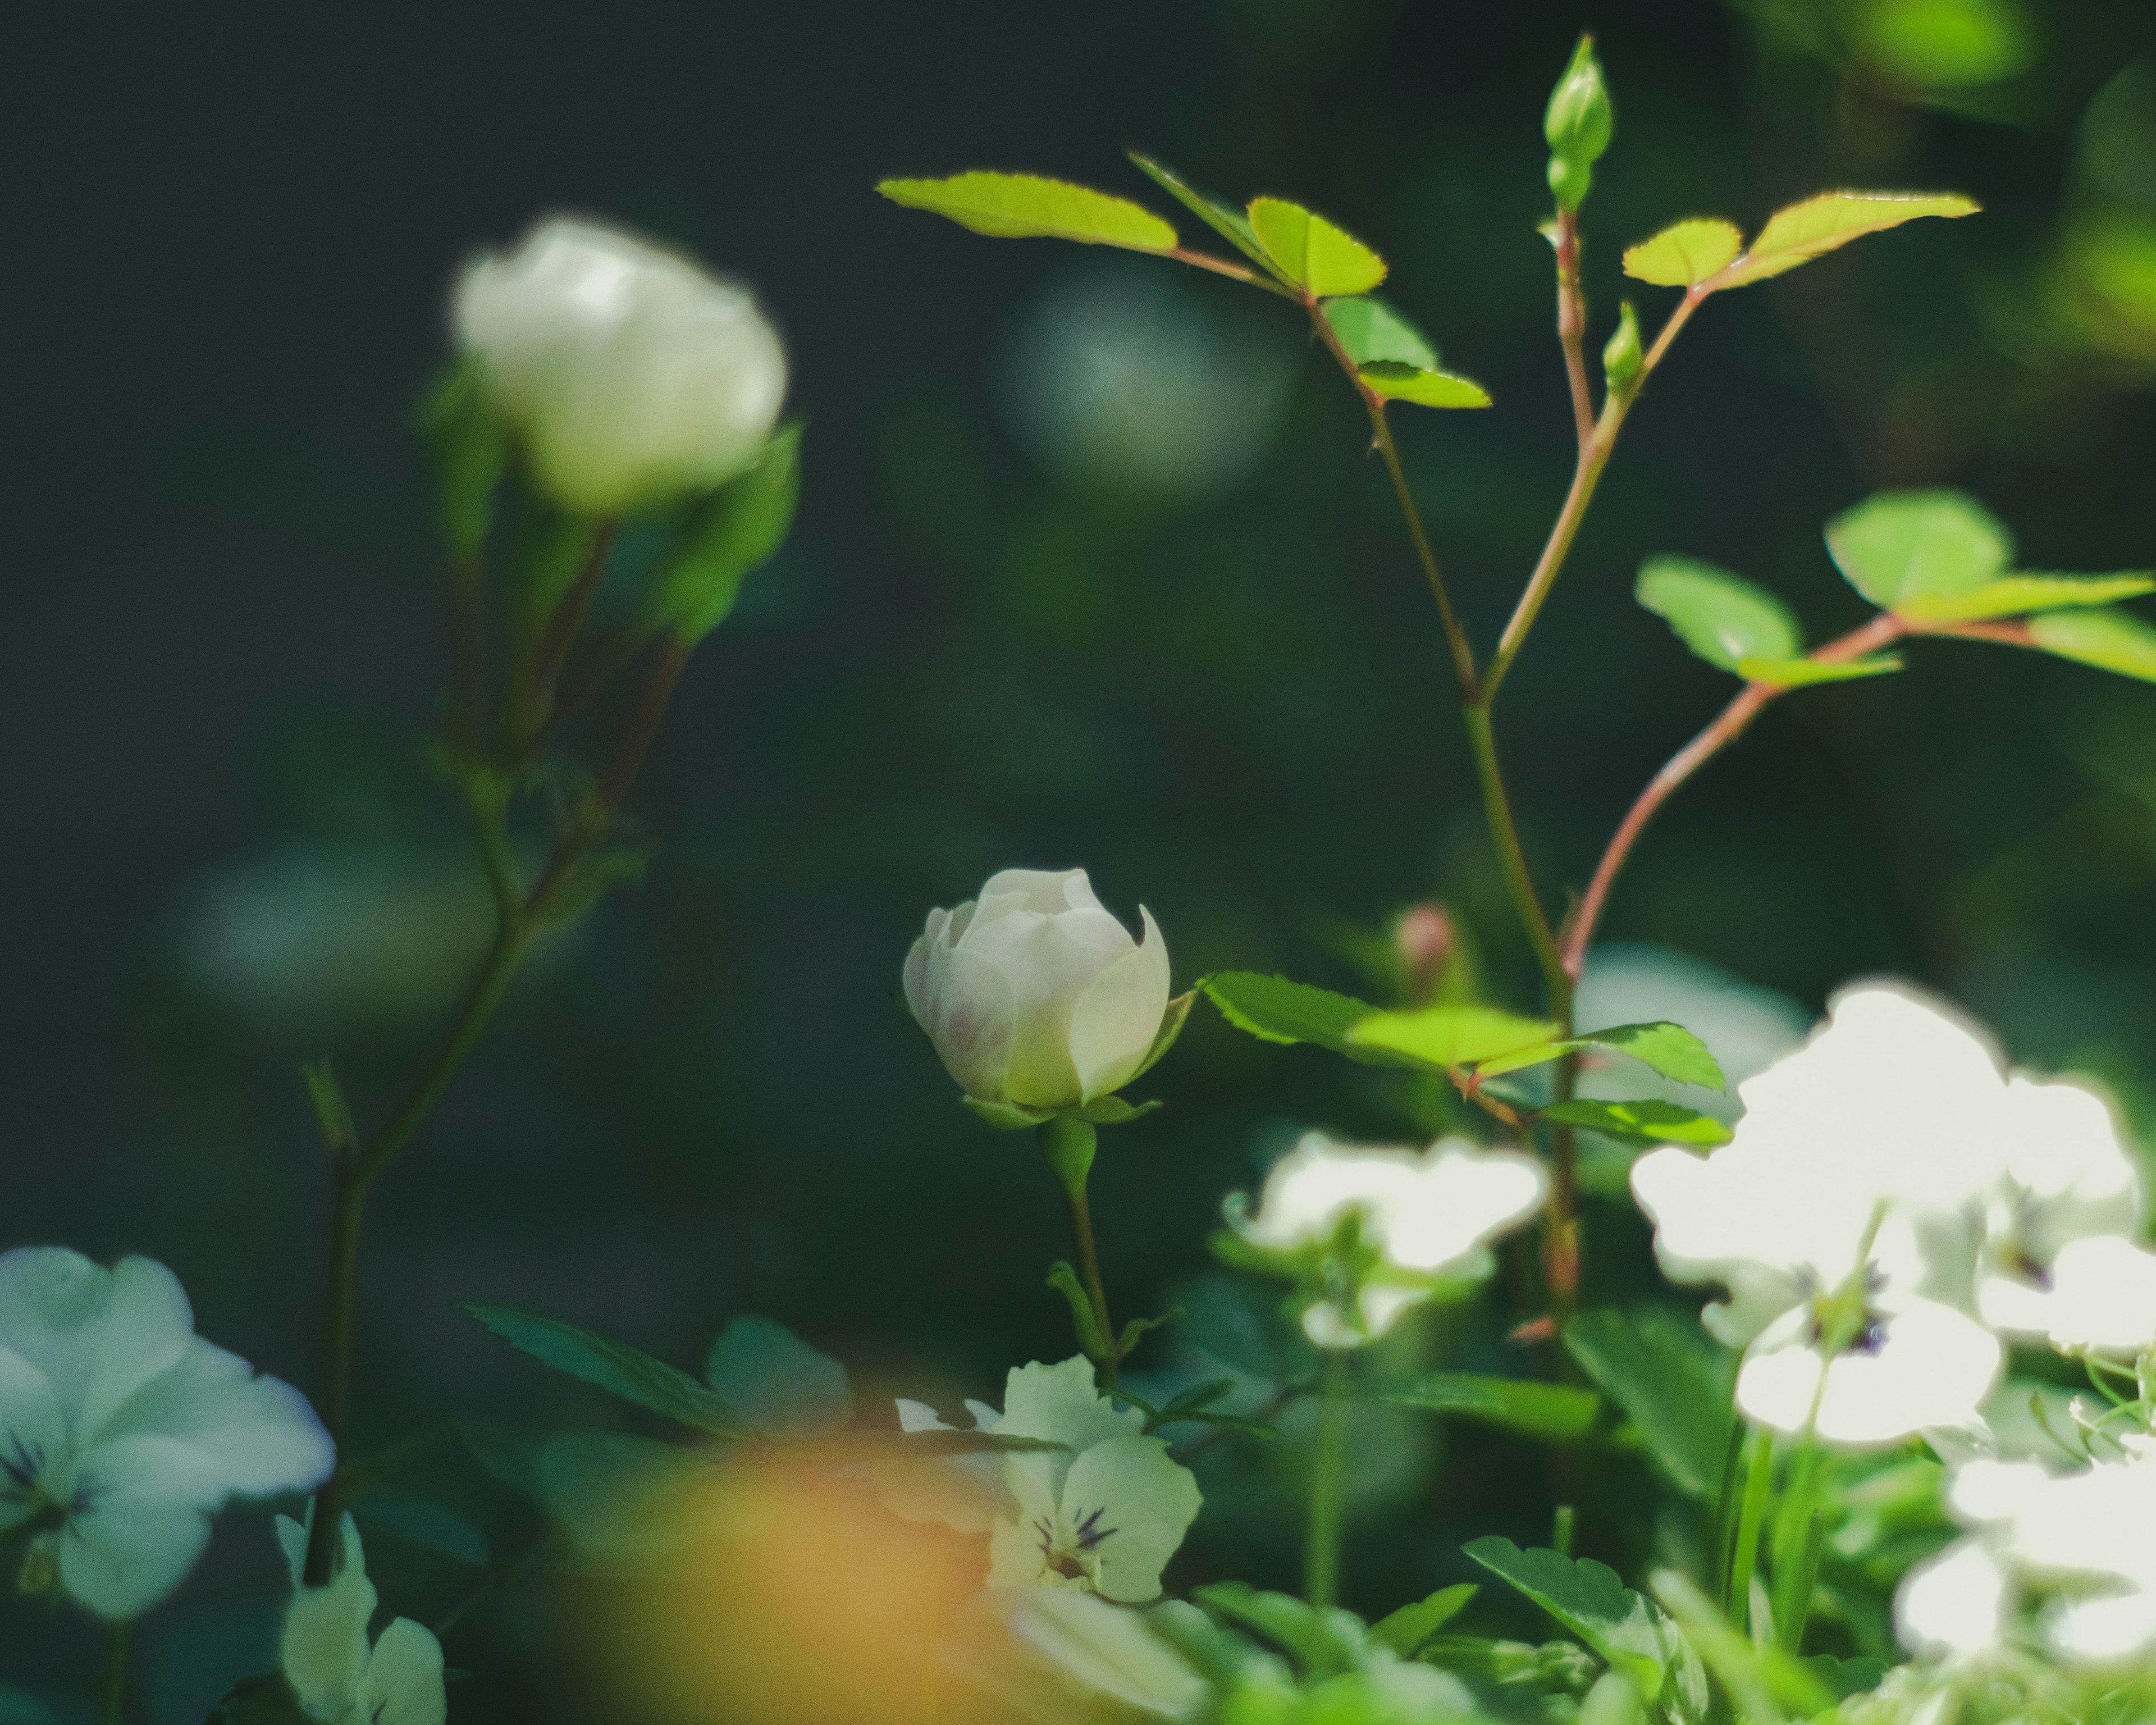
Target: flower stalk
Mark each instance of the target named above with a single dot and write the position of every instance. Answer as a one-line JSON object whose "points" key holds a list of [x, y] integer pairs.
{"points": [[1322, 1536]]}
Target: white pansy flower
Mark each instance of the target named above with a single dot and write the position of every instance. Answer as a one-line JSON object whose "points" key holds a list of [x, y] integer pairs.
{"points": [[2101, 1297], [1103, 1513], [631, 375], [1956, 1604], [1035, 995], [1426, 1216], [121, 1431], [338, 1677]]}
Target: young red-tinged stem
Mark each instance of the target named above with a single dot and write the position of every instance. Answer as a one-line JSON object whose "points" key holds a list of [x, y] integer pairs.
{"points": [[560, 633], [1571, 324]]}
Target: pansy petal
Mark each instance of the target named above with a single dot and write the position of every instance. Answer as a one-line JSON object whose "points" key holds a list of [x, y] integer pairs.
{"points": [[404, 1681], [1953, 1603], [1113, 1025], [139, 1524], [1933, 1366], [323, 1648], [33, 1437], [97, 1334], [1139, 1504], [1017, 1557], [262, 1433], [1063, 1404]]}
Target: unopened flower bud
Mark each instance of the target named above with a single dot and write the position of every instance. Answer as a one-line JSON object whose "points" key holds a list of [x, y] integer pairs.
{"points": [[1578, 124], [631, 375], [1425, 937], [1622, 355], [468, 453]]}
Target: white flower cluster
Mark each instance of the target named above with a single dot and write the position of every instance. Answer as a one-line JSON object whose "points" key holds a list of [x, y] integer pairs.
{"points": [[1893, 1202]]}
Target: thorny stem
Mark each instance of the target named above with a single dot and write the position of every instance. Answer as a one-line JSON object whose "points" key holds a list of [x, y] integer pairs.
{"points": [[1320, 1559]]}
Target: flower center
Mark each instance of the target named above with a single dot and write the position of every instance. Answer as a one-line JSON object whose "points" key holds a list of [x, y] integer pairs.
{"points": [[1069, 1558]]}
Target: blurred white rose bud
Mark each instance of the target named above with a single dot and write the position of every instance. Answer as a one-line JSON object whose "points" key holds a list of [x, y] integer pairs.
{"points": [[631, 375], [1036, 996]]}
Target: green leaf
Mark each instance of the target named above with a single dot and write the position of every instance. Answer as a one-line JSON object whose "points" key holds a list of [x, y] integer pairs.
{"points": [[1722, 617], [1311, 252], [1820, 224], [1224, 218], [1009, 1116], [1898, 545], [1448, 1036], [1685, 252], [1197, 1397], [1028, 207], [612, 1366], [1372, 331], [423, 1522], [1559, 1411], [2017, 595], [1113, 1111], [1667, 1048], [1405, 1631], [1423, 389], [731, 534], [1803, 673], [1644, 1122], [1274, 1009], [1093, 1341], [781, 1385], [1671, 1381], [1631, 1633], [1321, 1643], [2110, 640]]}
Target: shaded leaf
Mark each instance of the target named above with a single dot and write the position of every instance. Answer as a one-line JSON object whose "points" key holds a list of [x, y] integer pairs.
{"points": [[1006, 206], [1722, 617], [1274, 1009], [1803, 673], [777, 1382], [1407, 1629], [1320, 258], [1821, 224], [425, 1523], [1322, 1644], [1898, 545], [1632, 1633], [1685, 252], [1424, 388], [2110, 640], [1544, 1411], [1448, 1036], [2017, 595], [1642, 1122], [612, 1366], [1672, 1381], [1224, 218], [1371, 330]]}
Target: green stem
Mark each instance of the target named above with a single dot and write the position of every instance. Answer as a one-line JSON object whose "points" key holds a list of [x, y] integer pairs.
{"points": [[1725, 1508], [1320, 1562], [1791, 1618], [1512, 863], [1744, 1563], [112, 1687], [1793, 1522], [1089, 1272]]}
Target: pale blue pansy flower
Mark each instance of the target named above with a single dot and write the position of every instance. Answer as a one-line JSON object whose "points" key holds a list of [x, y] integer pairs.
{"points": [[336, 1675]]}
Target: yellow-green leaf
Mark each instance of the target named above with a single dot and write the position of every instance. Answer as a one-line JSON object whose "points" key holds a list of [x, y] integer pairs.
{"points": [[2017, 595], [1424, 389], [1800, 672], [1314, 254], [1818, 225], [1028, 207], [1231, 223], [2110, 640], [1685, 252], [1447, 1036]]}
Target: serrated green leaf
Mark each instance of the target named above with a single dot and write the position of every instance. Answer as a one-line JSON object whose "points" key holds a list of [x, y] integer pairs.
{"points": [[1405, 1631], [1662, 1046], [1722, 617], [1321, 1643], [1673, 1382], [1423, 389], [1274, 1009], [1444, 1037], [1642, 1122], [2109, 639], [1899, 545], [783, 1388], [1372, 331], [1803, 673], [612, 1366], [1831, 220], [1685, 252], [1224, 218], [1559, 1411], [1631, 1633], [2018, 595], [1006, 206], [1313, 253]]}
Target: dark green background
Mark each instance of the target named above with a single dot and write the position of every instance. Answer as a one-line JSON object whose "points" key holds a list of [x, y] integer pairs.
{"points": [[230, 242]]}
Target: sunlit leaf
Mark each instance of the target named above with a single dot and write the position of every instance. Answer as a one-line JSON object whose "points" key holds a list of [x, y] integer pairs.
{"points": [[1640, 1123], [1274, 1009], [1231, 223], [612, 1366], [1673, 1383], [2017, 595], [1405, 1631], [1559, 1411], [1313, 253], [1899, 545], [1424, 389], [1667, 1048], [1722, 617], [1028, 207], [1685, 252], [1374, 332], [1448, 1036], [1818, 225], [2110, 640], [1803, 673]]}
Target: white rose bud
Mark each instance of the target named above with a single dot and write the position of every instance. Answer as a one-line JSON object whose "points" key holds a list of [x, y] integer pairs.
{"points": [[633, 376], [1036, 996]]}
